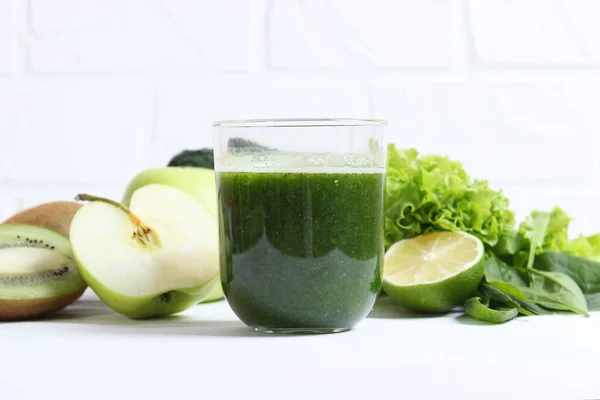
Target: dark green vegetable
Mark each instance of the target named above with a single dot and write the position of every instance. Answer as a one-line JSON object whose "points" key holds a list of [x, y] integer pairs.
{"points": [[585, 273], [476, 309], [203, 158]]}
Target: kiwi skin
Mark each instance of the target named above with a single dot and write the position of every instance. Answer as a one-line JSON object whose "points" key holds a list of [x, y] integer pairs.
{"points": [[56, 216], [24, 309], [17, 310]]}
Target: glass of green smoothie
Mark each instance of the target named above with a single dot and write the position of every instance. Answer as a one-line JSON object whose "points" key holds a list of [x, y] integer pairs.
{"points": [[301, 221]]}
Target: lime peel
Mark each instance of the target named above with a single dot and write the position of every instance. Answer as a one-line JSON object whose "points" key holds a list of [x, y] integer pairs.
{"points": [[434, 272]]}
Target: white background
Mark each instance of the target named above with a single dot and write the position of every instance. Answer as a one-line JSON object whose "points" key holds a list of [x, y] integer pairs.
{"points": [[88, 352], [93, 91]]}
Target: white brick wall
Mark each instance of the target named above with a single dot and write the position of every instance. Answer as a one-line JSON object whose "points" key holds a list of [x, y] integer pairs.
{"points": [[115, 36], [67, 135], [503, 130], [5, 36], [540, 32], [93, 91], [358, 33]]}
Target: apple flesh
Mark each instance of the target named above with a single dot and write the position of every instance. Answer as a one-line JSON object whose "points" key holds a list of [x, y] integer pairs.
{"points": [[155, 258], [195, 181]]}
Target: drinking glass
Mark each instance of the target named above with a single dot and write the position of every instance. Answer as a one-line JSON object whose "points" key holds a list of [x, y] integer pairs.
{"points": [[300, 221]]}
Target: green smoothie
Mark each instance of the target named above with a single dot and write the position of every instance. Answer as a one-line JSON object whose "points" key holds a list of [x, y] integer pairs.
{"points": [[301, 249]]}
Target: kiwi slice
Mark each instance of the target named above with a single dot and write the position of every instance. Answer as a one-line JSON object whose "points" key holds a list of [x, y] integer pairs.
{"points": [[38, 274]]}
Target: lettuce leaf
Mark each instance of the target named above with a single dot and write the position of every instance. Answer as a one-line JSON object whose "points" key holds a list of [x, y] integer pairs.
{"points": [[556, 239], [433, 193]]}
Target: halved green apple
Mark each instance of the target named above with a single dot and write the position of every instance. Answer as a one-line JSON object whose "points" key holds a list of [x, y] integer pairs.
{"points": [[196, 181], [159, 256]]}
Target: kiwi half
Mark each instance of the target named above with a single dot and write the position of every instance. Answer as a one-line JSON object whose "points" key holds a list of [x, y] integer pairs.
{"points": [[38, 274]]}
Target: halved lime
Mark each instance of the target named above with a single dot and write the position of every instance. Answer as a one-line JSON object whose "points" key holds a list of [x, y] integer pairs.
{"points": [[434, 272]]}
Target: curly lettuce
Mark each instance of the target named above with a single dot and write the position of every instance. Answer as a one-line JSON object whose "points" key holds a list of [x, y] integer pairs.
{"points": [[433, 193]]}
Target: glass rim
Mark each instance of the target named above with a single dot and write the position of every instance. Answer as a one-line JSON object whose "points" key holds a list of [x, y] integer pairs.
{"points": [[298, 123]]}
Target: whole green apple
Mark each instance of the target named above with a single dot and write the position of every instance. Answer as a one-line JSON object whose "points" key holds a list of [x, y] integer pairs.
{"points": [[197, 182], [157, 257]]}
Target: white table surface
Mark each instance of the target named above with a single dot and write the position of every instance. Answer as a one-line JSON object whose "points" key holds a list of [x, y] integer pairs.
{"points": [[90, 352]]}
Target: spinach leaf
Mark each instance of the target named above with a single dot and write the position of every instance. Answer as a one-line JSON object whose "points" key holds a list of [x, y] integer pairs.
{"points": [[476, 309], [533, 308], [524, 304], [556, 291], [496, 270], [585, 273], [534, 290], [497, 297], [508, 281], [593, 301]]}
